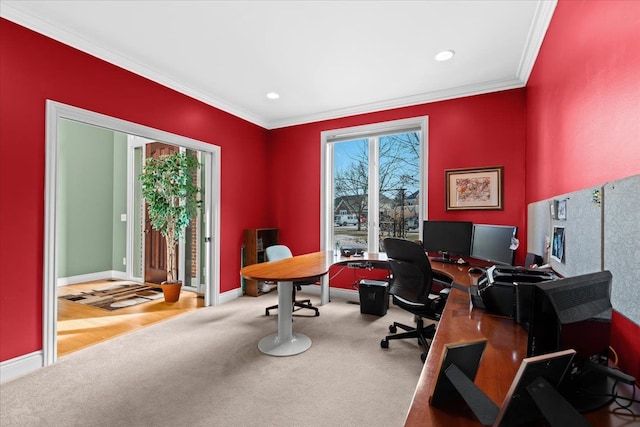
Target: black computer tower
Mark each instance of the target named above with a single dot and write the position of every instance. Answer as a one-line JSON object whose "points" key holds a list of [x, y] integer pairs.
{"points": [[497, 287]]}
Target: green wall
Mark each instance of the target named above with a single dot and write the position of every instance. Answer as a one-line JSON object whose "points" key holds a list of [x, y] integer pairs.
{"points": [[91, 195]]}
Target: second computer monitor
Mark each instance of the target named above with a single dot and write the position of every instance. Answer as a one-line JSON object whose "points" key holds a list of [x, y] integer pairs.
{"points": [[447, 238], [494, 243]]}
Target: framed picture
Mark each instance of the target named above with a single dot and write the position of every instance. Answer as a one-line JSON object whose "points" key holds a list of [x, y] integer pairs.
{"points": [[457, 372], [478, 188], [466, 356], [520, 406]]}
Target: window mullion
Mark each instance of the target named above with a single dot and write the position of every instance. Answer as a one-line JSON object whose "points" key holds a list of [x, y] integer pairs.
{"points": [[373, 196]]}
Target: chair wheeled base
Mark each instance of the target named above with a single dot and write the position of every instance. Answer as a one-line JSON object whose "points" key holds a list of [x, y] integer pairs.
{"points": [[297, 305], [420, 332]]}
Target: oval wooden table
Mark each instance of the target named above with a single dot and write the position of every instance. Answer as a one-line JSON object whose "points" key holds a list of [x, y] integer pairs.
{"points": [[285, 271]]}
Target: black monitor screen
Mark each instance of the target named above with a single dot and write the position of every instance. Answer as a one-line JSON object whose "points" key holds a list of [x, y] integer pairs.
{"points": [[493, 243], [561, 309], [447, 237]]}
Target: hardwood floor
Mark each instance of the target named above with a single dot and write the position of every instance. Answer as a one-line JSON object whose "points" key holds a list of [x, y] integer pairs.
{"points": [[80, 325]]}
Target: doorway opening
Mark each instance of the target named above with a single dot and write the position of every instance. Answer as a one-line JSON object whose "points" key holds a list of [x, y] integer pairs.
{"points": [[108, 242]]}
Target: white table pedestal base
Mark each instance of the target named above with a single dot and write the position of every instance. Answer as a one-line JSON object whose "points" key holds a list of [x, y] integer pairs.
{"points": [[285, 342], [272, 346]]}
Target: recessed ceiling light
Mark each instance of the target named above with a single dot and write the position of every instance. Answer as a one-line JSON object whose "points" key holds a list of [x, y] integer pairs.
{"points": [[273, 95], [445, 55]]}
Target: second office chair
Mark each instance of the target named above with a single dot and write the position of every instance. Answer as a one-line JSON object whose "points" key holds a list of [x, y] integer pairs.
{"points": [[277, 252]]}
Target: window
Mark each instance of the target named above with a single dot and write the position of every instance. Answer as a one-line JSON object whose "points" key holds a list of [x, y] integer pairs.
{"points": [[389, 157]]}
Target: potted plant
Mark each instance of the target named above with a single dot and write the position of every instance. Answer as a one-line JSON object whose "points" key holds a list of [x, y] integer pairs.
{"points": [[170, 193]]}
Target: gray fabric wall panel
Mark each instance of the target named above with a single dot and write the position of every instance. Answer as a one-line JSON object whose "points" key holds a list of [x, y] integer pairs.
{"points": [[602, 232], [622, 244], [582, 233]]}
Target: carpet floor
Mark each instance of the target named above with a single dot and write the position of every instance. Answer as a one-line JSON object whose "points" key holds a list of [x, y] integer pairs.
{"points": [[203, 368]]}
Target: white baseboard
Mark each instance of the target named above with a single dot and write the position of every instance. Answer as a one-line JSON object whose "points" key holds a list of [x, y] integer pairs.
{"points": [[230, 295], [348, 294], [100, 275], [120, 275], [19, 366]]}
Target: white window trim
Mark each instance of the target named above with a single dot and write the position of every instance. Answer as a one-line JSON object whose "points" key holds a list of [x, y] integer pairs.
{"points": [[328, 137]]}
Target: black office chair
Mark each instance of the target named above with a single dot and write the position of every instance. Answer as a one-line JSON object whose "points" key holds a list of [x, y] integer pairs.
{"points": [[410, 287], [276, 252]]}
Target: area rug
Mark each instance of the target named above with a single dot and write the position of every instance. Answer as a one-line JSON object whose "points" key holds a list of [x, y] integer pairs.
{"points": [[116, 296]]}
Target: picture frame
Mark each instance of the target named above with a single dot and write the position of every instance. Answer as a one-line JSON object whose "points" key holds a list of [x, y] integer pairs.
{"points": [[474, 188], [466, 355], [518, 406]]}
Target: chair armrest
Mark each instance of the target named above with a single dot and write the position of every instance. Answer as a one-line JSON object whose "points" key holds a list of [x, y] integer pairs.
{"points": [[441, 279]]}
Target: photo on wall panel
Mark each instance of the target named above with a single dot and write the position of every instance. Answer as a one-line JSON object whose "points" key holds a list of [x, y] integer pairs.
{"points": [[557, 244]]}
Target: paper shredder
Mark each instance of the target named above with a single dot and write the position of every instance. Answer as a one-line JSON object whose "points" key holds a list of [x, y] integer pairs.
{"points": [[374, 297]]}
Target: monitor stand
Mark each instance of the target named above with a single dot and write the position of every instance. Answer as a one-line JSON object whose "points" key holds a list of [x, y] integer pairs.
{"points": [[446, 259]]}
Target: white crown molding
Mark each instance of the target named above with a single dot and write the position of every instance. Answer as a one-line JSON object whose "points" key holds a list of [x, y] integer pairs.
{"points": [[18, 16], [539, 26], [424, 98]]}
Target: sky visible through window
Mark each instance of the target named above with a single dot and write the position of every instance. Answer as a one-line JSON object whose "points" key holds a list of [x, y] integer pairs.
{"points": [[344, 152], [397, 198]]}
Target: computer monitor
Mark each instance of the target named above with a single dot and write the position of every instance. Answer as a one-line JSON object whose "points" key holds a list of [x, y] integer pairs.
{"points": [[447, 238], [575, 313], [493, 243]]}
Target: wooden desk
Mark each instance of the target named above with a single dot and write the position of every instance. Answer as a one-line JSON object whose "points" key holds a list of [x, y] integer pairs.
{"points": [[506, 347]]}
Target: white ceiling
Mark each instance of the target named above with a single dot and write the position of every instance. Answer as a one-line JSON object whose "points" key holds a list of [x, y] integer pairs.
{"points": [[326, 59]]}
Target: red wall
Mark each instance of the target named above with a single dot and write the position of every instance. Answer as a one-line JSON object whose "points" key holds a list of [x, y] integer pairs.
{"points": [[477, 131], [34, 68], [583, 115]]}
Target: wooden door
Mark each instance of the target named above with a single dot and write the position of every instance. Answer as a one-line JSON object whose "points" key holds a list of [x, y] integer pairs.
{"points": [[155, 247]]}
